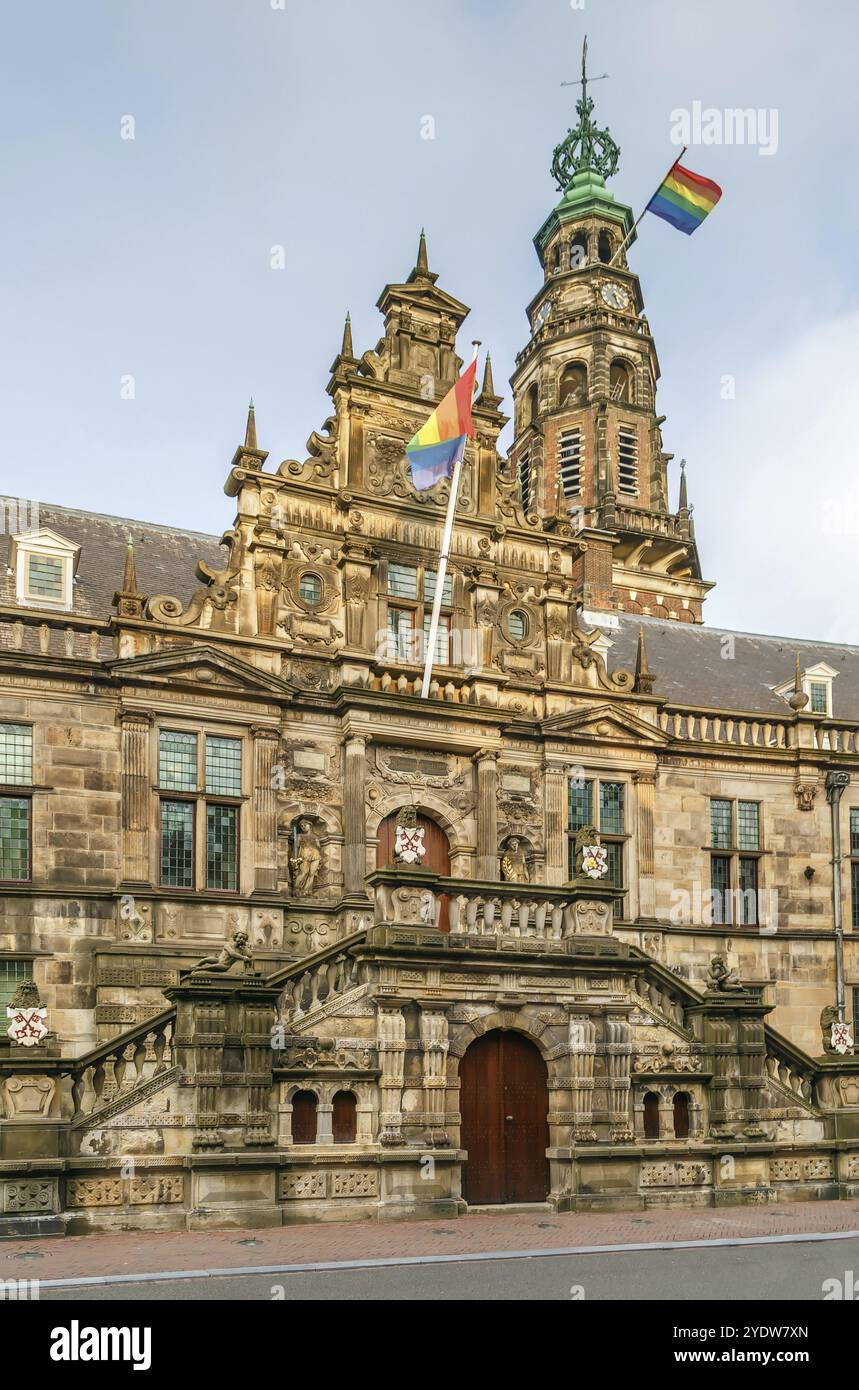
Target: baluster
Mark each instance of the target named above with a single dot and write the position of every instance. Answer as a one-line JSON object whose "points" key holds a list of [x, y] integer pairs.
{"points": [[488, 915], [557, 920], [84, 1091], [110, 1086], [166, 1060], [569, 919], [149, 1060], [128, 1071], [471, 910], [540, 911], [298, 995], [455, 911], [506, 915], [524, 915], [717, 730], [316, 979]]}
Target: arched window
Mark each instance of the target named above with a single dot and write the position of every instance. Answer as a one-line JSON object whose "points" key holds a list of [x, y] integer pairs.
{"points": [[573, 385], [681, 1115], [304, 1105], [532, 402], [620, 381], [651, 1115], [517, 624], [344, 1119], [578, 252], [556, 256], [605, 246]]}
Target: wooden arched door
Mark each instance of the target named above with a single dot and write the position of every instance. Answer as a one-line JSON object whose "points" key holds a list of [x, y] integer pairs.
{"points": [[504, 1104], [437, 855]]}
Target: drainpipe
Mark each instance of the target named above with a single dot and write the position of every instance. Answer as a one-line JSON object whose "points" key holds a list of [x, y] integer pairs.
{"points": [[835, 784]]}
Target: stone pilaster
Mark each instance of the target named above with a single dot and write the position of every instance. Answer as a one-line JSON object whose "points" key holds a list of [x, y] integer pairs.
{"points": [[645, 783], [434, 1037], [392, 1058], [354, 814], [135, 796], [265, 741], [486, 764], [582, 1045], [555, 785]]}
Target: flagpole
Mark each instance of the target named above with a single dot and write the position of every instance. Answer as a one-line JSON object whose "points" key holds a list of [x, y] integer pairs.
{"points": [[646, 206], [442, 560]]}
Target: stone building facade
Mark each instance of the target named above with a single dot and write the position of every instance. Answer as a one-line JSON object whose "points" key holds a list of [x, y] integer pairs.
{"points": [[304, 945]]}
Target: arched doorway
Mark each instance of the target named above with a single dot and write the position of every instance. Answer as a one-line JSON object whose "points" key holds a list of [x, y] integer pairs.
{"points": [[437, 855], [504, 1103]]}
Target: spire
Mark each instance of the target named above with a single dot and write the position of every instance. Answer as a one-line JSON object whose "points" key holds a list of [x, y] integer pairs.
{"points": [[684, 500], [643, 677], [487, 399], [251, 430], [129, 578], [422, 270], [128, 601], [346, 349], [798, 699], [422, 264]]}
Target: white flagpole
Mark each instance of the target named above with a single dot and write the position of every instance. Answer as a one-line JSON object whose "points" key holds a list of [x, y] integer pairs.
{"points": [[446, 535]]}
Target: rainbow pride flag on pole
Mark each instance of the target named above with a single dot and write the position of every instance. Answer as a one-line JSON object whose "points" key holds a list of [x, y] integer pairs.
{"points": [[684, 199], [440, 444]]}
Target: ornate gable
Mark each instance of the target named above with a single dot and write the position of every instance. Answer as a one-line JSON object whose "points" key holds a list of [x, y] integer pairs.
{"points": [[200, 665], [605, 722]]}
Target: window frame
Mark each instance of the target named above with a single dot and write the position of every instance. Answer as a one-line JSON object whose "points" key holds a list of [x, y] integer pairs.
{"points": [[201, 799], [740, 859], [607, 837], [21, 792], [418, 610], [626, 431]]}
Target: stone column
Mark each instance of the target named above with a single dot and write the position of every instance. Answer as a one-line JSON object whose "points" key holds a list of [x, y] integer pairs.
{"points": [[265, 742], [355, 814], [486, 763], [434, 1037], [135, 796], [392, 1057], [644, 784], [582, 1048], [325, 1123], [617, 1062], [555, 783]]}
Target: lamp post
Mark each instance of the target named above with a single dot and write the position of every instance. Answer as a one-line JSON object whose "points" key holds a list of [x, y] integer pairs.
{"points": [[835, 784]]}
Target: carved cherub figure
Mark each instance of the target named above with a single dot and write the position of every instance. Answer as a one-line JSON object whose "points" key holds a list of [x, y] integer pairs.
{"points": [[721, 977], [234, 952], [514, 862]]}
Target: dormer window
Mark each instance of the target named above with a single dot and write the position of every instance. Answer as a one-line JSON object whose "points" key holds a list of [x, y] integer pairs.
{"points": [[44, 564], [816, 684]]}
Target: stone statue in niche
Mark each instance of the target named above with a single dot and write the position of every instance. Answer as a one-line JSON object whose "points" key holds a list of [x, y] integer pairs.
{"points": [[236, 952], [306, 860], [514, 862]]}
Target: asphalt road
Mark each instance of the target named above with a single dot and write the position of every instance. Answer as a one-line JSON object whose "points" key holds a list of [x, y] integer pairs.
{"points": [[793, 1270]]}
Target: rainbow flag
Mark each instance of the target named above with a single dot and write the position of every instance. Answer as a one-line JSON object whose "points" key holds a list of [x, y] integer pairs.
{"points": [[440, 443], [684, 199]]}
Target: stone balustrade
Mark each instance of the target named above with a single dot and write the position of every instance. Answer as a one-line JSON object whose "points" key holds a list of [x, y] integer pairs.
{"points": [[115, 1069], [483, 908], [308, 989]]}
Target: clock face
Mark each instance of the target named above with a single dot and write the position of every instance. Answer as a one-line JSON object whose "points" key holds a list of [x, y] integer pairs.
{"points": [[615, 295], [542, 314]]}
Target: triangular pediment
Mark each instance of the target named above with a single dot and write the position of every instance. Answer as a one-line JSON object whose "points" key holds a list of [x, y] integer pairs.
{"points": [[204, 667], [604, 722]]}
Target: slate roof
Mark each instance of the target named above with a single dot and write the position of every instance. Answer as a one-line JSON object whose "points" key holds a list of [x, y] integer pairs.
{"points": [[686, 659], [688, 664], [164, 556]]}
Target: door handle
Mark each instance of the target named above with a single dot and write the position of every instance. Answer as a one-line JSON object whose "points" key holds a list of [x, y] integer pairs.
{"points": [[508, 1117]]}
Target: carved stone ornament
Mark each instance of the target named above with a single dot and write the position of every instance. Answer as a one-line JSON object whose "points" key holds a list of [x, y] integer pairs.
{"points": [[514, 862], [27, 1015], [721, 979], [306, 862], [409, 847]]}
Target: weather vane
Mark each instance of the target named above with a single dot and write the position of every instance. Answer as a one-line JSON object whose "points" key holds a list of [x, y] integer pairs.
{"points": [[585, 145]]}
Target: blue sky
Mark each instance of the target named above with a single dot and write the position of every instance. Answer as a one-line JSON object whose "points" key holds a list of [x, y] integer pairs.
{"points": [[300, 126]]}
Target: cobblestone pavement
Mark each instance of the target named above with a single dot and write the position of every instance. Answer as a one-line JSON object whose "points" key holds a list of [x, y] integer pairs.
{"points": [[148, 1252]]}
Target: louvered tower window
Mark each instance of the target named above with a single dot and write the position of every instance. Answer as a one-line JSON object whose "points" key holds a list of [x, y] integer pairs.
{"points": [[570, 461], [627, 461], [524, 471]]}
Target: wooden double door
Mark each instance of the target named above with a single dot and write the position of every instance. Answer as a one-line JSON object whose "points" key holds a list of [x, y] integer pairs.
{"points": [[504, 1104]]}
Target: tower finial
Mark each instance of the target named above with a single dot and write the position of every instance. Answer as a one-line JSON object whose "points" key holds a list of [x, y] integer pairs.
{"points": [[346, 349], [798, 699], [684, 499], [251, 429], [586, 146], [128, 601], [129, 577], [644, 678]]}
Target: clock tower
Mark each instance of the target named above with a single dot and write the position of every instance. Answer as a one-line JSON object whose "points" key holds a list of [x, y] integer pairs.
{"points": [[587, 450]]}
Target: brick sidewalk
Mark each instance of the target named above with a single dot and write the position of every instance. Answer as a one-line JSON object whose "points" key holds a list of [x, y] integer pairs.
{"points": [[149, 1252]]}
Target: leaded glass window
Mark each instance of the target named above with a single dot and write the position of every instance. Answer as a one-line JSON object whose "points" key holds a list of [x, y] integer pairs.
{"points": [[177, 761], [15, 814], [720, 824], [222, 839], [223, 765], [748, 825], [611, 808], [177, 844], [16, 754]]}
